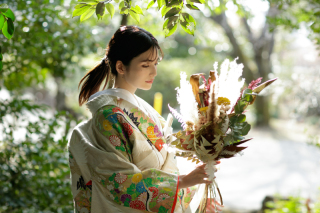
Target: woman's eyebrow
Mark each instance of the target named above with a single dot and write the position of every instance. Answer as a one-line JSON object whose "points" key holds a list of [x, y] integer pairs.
{"points": [[147, 60]]}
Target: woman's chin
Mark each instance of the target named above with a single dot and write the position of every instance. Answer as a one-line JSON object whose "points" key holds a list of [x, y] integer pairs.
{"points": [[147, 87]]}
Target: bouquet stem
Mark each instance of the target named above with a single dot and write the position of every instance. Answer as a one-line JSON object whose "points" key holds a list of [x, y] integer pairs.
{"points": [[209, 193]]}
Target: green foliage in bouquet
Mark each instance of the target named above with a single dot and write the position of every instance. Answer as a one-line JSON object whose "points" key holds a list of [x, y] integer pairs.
{"points": [[34, 167]]}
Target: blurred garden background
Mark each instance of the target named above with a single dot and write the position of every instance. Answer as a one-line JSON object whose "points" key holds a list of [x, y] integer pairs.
{"points": [[49, 51]]}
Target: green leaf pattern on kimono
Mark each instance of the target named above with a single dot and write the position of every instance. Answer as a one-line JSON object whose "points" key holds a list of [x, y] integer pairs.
{"points": [[150, 190]]}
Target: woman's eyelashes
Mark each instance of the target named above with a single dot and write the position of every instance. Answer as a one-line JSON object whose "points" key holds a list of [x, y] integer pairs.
{"points": [[146, 66]]}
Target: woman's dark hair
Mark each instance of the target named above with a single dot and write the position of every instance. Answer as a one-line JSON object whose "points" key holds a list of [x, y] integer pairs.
{"points": [[126, 43]]}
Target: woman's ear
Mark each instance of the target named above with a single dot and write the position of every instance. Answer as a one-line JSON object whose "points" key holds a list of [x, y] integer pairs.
{"points": [[120, 67]]}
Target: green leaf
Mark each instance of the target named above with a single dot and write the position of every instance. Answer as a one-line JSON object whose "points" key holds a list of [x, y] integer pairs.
{"points": [[188, 23], [228, 140], [87, 14], [246, 128], [192, 7], [121, 5], [170, 22], [9, 14], [135, 16], [172, 12], [164, 10], [2, 20], [187, 17], [92, 1], [246, 91], [4, 8], [78, 6], [174, 3], [8, 29], [137, 10], [247, 97], [111, 178], [233, 120], [110, 9], [124, 10], [239, 107], [198, 1], [151, 3], [1, 65], [237, 137], [170, 25], [160, 3], [100, 9], [241, 118], [80, 11]]}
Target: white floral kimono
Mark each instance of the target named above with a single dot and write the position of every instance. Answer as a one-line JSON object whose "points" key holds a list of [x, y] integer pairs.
{"points": [[118, 160]]}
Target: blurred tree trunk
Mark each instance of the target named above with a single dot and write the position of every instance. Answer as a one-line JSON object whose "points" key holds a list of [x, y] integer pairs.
{"points": [[124, 20], [61, 99], [263, 48]]}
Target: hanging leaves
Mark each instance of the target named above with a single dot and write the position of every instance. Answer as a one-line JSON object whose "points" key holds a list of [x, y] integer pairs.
{"points": [[2, 19], [188, 23], [170, 25], [80, 10], [110, 9], [192, 7], [100, 10], [87, 14], [160, 3], [134, 15], [8, 29], [151, 3], [9, 14], [7, 18], [171, 10], [137, 10]]}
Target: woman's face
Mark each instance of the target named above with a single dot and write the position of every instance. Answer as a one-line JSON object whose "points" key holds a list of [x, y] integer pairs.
{"points": [[141, 71]]}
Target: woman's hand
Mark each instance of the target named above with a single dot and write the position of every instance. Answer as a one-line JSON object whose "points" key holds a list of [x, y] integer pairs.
{"points": [[211, 202], [197, 176]]}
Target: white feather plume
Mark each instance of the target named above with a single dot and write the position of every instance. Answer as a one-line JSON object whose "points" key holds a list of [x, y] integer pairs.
{"points": [[229, 85], [186, 99]]}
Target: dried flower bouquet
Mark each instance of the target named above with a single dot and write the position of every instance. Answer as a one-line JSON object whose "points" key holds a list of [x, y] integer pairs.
{"points": [[213, 117]]}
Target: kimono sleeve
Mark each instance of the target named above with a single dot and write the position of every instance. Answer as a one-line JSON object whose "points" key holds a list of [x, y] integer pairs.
{"points": [[151, 190]]}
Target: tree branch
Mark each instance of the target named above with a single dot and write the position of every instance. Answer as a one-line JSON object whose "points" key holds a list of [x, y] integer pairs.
{"points": [[250, 35], [221, 19]]}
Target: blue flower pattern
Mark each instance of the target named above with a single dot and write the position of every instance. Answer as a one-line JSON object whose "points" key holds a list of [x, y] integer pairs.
{"points": [[140, 187]]}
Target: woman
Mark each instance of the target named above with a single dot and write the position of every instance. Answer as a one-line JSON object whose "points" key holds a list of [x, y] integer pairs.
{"points": [[118, 160]]}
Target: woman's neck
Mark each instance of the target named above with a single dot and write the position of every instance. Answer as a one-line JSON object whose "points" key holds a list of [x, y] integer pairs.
{"points": [[122, 84]]}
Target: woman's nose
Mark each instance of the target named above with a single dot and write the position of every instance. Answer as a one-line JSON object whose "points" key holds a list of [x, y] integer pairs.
{"points": [[154, 70]]}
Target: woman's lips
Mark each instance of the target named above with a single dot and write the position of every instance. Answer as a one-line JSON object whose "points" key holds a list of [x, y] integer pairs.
{"points": [[149, 82]]}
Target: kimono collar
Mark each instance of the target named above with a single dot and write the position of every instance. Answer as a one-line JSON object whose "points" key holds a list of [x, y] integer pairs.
{"points": [[118, 92], [103, 98]]}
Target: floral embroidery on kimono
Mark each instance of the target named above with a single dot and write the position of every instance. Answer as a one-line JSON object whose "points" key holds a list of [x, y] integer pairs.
{"points": [[137, 191], [118, 161]]}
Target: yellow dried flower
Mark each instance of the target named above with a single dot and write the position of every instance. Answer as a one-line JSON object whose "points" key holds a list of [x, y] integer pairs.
{"points": [[203, 109], [223, 101]]}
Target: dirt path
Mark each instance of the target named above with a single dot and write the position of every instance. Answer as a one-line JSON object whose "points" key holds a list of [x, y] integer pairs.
{"points": [[271, 164]]}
